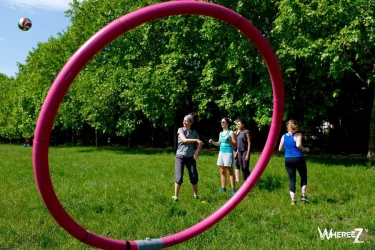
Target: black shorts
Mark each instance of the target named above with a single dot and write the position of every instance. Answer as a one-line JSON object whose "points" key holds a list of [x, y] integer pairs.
{"points": [[191, 165]]}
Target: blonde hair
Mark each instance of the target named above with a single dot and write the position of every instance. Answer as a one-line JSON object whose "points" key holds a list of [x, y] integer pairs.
{"points": [[292, 126]]}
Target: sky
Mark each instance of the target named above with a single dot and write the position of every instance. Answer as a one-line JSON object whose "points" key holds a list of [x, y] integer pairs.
{"points": [[48, 19]]}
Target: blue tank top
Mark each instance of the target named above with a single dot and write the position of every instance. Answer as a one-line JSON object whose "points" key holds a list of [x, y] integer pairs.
{"points": [[291, 150], [225, 146]]}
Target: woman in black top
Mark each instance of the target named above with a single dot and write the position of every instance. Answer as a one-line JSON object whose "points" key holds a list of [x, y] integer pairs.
{"points": [[243, 149]]}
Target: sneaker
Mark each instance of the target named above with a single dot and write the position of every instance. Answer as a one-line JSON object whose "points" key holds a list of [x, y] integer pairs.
{"points": [[304, 199], [196, 197], [293, 202], [233, 191], [222, 190], [175, 198]]}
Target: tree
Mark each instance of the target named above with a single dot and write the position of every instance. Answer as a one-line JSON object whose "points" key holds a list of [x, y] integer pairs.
{"points": [[9, 121], [35, 79], [321, 44], [159, 64], [160, 71]]}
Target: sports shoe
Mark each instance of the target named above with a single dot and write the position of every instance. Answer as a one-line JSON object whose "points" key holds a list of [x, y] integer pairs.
{"points": [[304, 199], [196, 196], [175, 198], [293, 202], [222, 190], [233, 191]]}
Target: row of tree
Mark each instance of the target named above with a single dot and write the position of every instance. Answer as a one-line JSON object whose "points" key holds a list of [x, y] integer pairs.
{"points": [[158, 72]]}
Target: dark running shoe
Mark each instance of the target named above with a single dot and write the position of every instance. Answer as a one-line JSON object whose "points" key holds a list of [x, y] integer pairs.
{"points": [[222, 190]]}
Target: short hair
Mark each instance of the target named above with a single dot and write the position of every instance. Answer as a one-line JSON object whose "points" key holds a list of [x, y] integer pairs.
{"points": [[191, 116]]}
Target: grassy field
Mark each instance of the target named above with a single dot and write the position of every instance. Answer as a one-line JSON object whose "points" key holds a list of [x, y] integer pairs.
{"points": [[126, 194]]}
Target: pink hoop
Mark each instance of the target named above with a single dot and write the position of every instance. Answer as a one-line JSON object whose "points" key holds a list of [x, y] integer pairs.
{"points": [[79, 60]]}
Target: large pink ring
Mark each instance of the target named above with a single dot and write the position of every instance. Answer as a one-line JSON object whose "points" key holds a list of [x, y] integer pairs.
{"points": [[79, 60]]}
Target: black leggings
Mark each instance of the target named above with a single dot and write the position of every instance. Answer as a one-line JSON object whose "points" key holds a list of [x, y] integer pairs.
{"points": [[296, 164], [244, 164]]}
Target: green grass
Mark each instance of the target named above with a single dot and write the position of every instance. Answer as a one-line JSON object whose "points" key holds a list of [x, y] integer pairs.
{"points": [[126, 194]]}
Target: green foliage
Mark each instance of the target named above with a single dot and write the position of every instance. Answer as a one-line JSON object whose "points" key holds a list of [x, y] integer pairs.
{"points": [[326, 49], [166, 68], [9, 121], [154, 72], [320, 44]]}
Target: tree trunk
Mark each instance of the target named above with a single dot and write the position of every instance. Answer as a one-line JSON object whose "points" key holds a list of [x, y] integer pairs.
{"points": [[73, 141], [371, 143], [152, 136], [96, 138]]}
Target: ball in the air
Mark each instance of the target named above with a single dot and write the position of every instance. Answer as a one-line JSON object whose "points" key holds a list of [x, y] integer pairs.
{"points": [[24, 24]]}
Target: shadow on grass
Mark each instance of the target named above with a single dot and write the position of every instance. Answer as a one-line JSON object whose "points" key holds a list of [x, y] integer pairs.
{"points": [[335, 160], [139, 151], [340, 200], [88, 150], [269, 183], [328, 160], [348, 160], [128, 151]]}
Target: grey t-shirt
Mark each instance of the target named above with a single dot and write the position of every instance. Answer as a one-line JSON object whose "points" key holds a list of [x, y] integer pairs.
{"points": [[186, 149]]}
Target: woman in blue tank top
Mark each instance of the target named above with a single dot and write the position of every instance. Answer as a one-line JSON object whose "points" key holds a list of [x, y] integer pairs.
{"points": [[294, 159], [227, 141]]}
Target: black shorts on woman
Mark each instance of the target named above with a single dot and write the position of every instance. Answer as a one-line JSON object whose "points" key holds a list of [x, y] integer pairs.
{"points": [[191, 166], [184, 158]]}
